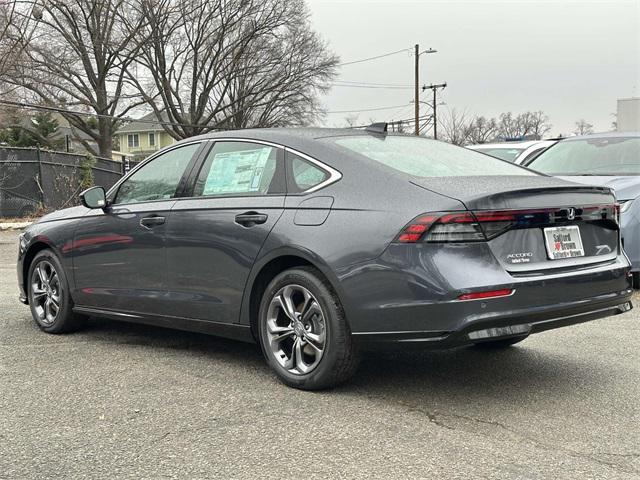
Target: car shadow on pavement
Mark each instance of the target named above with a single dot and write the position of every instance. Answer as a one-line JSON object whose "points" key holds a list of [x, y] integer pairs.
{"points": [[470, 374]]}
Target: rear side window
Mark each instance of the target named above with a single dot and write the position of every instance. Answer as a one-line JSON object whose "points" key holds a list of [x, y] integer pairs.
{"points": [[303, 175], [239, 168], [422, 157], [158, 179]]}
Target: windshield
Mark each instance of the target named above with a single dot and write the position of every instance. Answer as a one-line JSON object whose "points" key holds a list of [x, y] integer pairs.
{"points": [[421, 157], [508, 154], [591, 156]]}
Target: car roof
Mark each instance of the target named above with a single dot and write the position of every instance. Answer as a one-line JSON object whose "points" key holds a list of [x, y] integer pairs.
{"points": [[603, 135], [297, 138], [506, 145]]}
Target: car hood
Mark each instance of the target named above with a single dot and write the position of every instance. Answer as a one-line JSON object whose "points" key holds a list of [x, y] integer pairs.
{"points": [[64, 214], [626, 187]]}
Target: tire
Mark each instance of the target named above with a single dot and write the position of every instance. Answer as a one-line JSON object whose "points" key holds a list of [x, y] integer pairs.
{"points": [[326, 355], [46, 269], [500, 344]]}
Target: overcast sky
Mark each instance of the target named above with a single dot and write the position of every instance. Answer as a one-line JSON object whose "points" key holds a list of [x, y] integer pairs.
{"points": [[571, 59]]}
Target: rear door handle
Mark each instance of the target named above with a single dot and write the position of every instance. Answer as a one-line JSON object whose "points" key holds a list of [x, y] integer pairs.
{"points": [[248, 219], [152, 221]]}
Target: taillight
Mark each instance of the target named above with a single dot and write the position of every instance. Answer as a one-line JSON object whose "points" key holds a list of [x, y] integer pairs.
{"points": [[477, 226], [454, 227]]}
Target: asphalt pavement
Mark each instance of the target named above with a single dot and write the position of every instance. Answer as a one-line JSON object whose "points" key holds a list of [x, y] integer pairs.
{"points": [[127, 401]]}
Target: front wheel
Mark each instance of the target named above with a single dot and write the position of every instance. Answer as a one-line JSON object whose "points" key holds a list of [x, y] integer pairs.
{"points": [[304, 335], [49, 299]]}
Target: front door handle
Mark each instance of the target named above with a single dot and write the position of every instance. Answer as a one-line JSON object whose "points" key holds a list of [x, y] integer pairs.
{"points": [[152, 221], [249, 219]]}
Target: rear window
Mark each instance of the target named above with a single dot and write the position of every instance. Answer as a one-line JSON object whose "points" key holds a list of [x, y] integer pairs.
{"points": [[421, 157]]}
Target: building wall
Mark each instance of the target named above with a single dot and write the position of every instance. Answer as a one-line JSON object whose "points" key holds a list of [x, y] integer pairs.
{"points": [[144, 148], [628, 118]]}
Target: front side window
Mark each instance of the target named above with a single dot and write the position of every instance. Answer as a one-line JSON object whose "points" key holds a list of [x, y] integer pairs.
{"points": [[421, 157], [133, 140], [158, 179], [304, 175], [238, 168], [591, 156]]}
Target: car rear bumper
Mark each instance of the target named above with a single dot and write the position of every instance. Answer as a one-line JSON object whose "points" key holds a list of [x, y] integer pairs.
{"points": [[421, 305], [506, 324]]}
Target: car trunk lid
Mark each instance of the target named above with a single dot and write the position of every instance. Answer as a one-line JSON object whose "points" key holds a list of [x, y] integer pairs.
{"points": [[535, 223]]}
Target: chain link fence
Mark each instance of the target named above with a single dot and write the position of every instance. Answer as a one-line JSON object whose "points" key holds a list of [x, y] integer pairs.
{"points": [[34, 181]]}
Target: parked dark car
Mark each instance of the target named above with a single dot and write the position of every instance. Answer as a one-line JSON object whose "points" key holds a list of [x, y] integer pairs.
{"points": [[609, 159], [15, 205], [317, 243]]}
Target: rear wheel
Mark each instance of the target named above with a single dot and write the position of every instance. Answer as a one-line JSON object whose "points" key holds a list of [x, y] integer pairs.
{"points": [[303, 331], [49, 300], [498, 344]]}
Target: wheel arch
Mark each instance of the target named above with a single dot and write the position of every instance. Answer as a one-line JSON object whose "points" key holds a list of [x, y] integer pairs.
{"points": [[270, 266], [32, 250]]}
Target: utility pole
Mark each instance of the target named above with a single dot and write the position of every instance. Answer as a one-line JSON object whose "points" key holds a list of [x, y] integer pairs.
{"points": [[434, 88], [417, 83]]}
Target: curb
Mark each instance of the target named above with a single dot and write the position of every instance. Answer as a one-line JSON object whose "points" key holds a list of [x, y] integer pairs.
{"points": [[13, 226]]}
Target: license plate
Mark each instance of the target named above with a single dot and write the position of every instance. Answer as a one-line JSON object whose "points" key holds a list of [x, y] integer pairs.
{"points": [[563, 242]]}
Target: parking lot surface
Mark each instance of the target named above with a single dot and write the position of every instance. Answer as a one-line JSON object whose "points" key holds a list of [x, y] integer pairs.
{"points": [[127, 401]]}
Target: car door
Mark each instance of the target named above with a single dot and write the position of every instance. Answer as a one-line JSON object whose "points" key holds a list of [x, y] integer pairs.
{"points": [[215, 235], [119, 255]]}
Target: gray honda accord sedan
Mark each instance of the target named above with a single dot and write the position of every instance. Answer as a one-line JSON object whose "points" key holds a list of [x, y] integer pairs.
{"points": [[319, 243]]}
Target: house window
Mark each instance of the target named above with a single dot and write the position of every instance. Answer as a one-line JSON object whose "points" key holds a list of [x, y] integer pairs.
{"points": [[133, 140], [152, 139]]}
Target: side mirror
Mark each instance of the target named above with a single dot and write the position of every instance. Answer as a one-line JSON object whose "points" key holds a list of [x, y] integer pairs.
{"points": [[94, 197]]}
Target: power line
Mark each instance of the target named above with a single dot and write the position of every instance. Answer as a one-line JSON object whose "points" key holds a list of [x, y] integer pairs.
{"points": [[30, 106], [373, 58], [370, 86], [366, 109], [351, 82]]}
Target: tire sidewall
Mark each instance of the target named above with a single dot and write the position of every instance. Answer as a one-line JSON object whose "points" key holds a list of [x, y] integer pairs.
{"points": [[65, 311], [334, 324]]}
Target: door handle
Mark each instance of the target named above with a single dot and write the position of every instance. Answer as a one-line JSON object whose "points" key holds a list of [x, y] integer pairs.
{"points": [[249, 219], [152, 221]]}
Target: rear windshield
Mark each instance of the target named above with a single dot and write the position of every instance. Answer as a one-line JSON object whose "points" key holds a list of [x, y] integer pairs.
{"points": [[421, 157], [591, 156], [508, 154]]}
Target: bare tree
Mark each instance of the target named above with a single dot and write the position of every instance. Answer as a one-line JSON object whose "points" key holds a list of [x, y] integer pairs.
{"points": [[583, 127], [482, 130], [537, 123], [455, 127], [15, 30], [230, 64], [76, 58], [527, 123], [351, 120]]}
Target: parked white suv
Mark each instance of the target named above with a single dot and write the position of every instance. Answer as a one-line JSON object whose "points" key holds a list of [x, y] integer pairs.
{"points": [[520, 153]]}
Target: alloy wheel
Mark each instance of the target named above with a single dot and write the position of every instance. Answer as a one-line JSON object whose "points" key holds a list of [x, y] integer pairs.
{"points": [[46, 292], [296, 329]]}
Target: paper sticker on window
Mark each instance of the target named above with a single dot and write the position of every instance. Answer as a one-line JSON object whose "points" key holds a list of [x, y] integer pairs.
{"points": [[237, 172]]}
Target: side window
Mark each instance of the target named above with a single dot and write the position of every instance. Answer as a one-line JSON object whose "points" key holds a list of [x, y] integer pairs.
{"points": [[303, 174], [240, 168], [158, 179]]}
